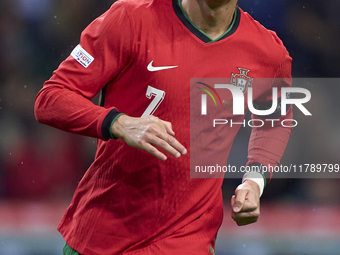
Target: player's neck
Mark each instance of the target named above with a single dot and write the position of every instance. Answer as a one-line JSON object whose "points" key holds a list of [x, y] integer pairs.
{"points": [[213, 17]]}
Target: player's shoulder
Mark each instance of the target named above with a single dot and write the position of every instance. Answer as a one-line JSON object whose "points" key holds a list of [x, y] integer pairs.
{"points": [[268, 39], [138, 11], [136, 6]]}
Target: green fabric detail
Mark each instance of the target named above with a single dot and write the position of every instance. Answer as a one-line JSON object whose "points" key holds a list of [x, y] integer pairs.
{"points": [[232, 24], [100, 98], [265, 179], [67, 250], [112, 136]]}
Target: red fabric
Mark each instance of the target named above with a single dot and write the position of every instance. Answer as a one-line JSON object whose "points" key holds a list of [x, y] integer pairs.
{"points": [[128, 201], [266, 144]]}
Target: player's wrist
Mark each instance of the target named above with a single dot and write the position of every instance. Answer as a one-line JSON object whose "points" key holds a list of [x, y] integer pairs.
{"points": [[117, 126], [256, 179]]}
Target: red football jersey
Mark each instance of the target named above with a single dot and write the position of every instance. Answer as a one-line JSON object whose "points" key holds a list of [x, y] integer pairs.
{"points": [[141, 55]]}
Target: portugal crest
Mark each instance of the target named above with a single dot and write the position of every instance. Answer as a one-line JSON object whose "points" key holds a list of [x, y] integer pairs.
{"points": [[241, 80]]}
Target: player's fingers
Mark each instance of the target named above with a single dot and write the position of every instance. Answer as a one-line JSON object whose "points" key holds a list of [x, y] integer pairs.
{"points": [[165, 142], [176, 144], [152, 150], [232, 202], [168, 140], [168, 127], [171, 140], [246, 221], [157, 134], [250, 203], [240, 215], [240, 196], [244, 218]]}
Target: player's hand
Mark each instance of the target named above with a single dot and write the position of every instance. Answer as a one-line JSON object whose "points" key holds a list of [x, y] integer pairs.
{"points": [[145, 132], [245, 203]]}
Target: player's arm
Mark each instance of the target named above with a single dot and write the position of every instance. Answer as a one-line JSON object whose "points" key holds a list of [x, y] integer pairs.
{"points": [[105, 49], [268, 143], [266, 147]]}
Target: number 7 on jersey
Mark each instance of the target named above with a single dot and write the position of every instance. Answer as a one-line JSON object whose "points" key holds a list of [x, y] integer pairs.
{"points": [[159, 96]]}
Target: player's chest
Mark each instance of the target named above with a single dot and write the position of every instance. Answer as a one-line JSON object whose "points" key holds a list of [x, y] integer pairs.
{"points": [[173, 66], [169, 74]]}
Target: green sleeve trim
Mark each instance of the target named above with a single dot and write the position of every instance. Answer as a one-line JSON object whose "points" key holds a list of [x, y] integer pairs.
{"points": [[112, 136], [265, 179], [67, 250]]}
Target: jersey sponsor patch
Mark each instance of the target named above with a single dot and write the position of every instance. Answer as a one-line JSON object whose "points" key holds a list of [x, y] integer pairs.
{"points": [[82, 56]]}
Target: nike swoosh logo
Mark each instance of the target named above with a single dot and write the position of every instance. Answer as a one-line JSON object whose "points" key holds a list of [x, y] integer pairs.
{"points": [[152, 68]]}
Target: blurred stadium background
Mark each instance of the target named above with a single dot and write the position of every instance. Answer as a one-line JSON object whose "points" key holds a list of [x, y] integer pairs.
{"points": [[40, 166]]}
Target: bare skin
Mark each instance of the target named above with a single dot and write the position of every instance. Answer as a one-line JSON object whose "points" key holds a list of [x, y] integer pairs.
{"points": [[145, 132], [213, 17], [245, 203], [150, 133]]}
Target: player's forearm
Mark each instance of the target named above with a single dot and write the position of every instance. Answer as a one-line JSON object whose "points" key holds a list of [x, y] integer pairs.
{"points": [[268, 143], [266, 146], [67, 110]]}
